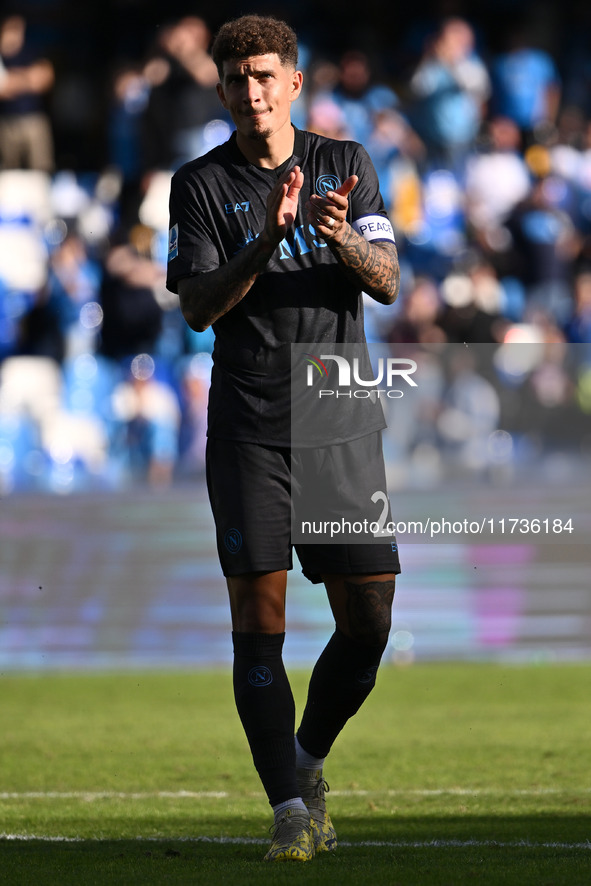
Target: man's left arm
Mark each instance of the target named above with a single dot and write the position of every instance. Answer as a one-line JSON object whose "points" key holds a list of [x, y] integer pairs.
{"points": [[372, 264]]}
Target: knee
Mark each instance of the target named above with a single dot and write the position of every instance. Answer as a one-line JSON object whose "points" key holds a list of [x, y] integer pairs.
{"points": [[371, 634], [258, 618], [257, 604], [367, 614], [375, 637]]}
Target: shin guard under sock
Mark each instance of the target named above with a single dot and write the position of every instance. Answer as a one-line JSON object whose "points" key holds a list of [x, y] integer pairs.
{"points": [[342, 679], [266, 708]]}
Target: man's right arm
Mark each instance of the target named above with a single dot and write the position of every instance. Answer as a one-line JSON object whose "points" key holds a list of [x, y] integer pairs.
{"points": [[205, 297]]}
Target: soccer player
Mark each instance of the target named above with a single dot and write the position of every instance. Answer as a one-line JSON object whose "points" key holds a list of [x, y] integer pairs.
{"points": [[264, 245]]}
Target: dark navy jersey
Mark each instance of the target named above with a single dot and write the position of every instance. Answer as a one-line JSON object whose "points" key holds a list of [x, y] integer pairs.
{"points": [[217, 207]]}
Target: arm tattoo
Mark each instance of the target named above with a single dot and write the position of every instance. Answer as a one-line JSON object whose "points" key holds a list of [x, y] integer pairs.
{"points": [[373, 266], [205, 297], [369, 610]]}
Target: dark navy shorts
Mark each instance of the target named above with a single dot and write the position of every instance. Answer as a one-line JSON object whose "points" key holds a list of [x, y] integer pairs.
{"points": [[252, 490]]}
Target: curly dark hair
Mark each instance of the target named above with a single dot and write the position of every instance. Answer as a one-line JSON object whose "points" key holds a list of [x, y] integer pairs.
{"points": [[255, 35]]}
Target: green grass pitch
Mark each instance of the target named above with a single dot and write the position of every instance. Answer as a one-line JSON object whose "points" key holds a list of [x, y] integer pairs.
{"points": [[450, 774]]}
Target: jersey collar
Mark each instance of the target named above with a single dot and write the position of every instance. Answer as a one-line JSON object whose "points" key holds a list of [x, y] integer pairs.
{"points": [[299, 149]]}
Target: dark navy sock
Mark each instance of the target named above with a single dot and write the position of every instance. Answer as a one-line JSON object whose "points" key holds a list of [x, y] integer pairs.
{"points": [[342, 679], [267, 710]]}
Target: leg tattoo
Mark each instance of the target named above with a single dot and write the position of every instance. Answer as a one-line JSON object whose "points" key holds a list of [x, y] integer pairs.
{"points": [[369, 610]]}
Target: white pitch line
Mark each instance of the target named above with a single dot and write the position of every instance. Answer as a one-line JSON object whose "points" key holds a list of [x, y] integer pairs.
{"points": [[224, 795], [468, 792], [250, 841], [112, 795], [464, 844]]}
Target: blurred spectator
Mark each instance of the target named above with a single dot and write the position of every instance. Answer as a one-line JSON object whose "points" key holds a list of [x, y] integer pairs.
{"points": [[132, 317], [25, 208], [570, 167], [497, 178], [183, 105], [584, 186], [579, 326], [575, 61], [525, 84], [74, 281], [325, 117], [360, 99], [40, 331], [149, 413], [545, 244], [393, 146], [321, 80], [48, 446], [570, 125], [449, 89], [470, 415], [548, 414], [129, 99], [193, 431], [473, 300], [127, 104], [418, 321], [405, 198], [25, 132], [435, 225]]}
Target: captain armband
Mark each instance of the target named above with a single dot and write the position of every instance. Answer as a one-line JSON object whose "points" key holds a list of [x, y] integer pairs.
{"points": [[374, 227]]}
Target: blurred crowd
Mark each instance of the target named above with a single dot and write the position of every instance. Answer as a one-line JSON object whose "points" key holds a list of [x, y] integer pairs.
{"points": [[484, 160]]}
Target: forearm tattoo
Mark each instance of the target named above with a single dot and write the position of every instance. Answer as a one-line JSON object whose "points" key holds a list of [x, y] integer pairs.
{"points": [[373, 266], [205, 297], [369, 610]]}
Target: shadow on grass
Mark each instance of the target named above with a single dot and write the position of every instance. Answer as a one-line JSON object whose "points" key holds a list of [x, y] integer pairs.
{"points": [[426, 851]]}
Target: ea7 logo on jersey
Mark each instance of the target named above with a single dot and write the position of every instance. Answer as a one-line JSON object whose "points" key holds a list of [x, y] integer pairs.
{"points": [[237, 207], [173, 242]]}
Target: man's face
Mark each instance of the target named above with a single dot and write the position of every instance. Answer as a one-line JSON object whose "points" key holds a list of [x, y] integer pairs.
{"points": [[258, 92]]}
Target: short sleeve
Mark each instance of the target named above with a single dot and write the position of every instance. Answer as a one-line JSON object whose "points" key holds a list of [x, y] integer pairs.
{"points": [[368, 214], [191, 240]]}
